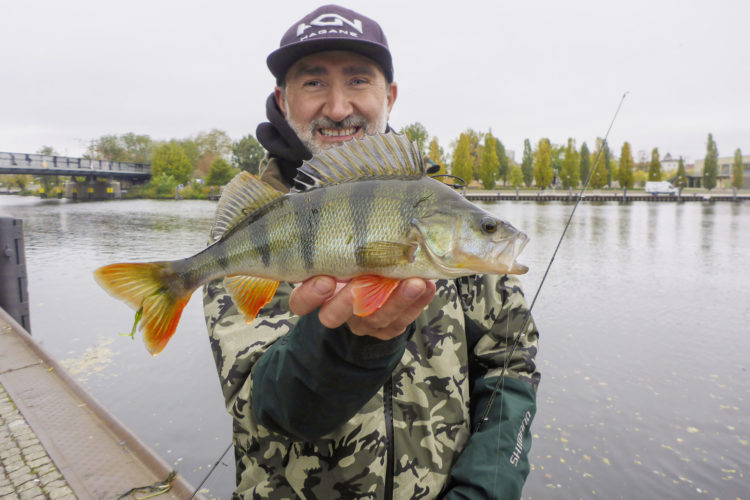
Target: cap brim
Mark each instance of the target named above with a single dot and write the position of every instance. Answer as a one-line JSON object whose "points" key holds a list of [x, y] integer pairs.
{"points": [[280, 60]]}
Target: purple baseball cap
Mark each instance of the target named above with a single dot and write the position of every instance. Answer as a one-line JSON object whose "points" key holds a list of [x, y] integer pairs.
{"points": [[331, 27]]}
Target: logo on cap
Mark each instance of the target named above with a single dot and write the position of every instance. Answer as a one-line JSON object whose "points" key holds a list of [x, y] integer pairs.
{"points": [[324, 20]]}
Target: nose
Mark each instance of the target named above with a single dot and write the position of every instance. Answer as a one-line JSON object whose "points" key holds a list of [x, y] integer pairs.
{"points": [[338, 104]]}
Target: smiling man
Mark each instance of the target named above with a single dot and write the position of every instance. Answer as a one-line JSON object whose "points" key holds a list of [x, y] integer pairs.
{"points": [[327, 404]]}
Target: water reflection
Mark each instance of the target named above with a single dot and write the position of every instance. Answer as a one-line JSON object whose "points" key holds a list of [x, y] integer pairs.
{"points": [[644, 340]]}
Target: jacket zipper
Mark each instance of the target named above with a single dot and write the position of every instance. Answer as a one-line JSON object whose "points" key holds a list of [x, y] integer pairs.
{"points": [[389, 463]]}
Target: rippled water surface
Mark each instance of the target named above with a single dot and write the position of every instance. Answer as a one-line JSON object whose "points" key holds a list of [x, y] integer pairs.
{"points": [[645, 340]]}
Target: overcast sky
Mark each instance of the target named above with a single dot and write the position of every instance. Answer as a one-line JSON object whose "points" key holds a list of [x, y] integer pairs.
{"points": [[72, 71]]}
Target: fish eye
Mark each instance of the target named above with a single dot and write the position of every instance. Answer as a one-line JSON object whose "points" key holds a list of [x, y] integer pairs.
{"points": [[489, 225]]}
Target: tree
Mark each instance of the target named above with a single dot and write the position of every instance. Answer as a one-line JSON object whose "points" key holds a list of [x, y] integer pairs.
{"points": [[680, 180], [416, 132], [221, 173], [557, 155], [654, 168], [170, 159], [490, 163], [128, 147], [710, 164], [137, 147], [543, 173], [47, 150], [569, 172], [462, 166], [599, 164], [247, 154], [436, 154], [527, 164], [625, 173], [585, 165], [516, 176], [738, 169], [504, 170]]}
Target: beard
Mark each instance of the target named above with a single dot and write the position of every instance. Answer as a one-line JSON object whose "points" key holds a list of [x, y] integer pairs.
{"points": [[308, 133]]}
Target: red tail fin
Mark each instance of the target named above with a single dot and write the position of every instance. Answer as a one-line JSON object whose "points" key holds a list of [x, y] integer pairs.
{"points": [[147, 287]]}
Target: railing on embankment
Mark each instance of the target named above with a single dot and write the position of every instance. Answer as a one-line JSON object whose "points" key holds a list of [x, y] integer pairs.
{"points": [[618, 197]]}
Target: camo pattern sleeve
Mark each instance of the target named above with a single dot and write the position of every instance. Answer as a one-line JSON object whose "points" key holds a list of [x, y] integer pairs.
{"points": [[494, 463]]}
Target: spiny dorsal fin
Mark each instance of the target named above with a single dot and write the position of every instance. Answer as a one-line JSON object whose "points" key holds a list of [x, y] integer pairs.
{"points": [[243, 195], [379, 156]]}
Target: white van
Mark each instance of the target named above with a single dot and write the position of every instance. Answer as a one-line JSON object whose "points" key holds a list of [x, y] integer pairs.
{"points": [[661, 187]]}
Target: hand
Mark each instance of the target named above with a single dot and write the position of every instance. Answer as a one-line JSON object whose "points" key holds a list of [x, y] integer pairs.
{"points": [[336, 306]]}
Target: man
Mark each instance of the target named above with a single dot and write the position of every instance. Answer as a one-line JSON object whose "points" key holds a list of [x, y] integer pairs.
{"points": [[330, 405]]}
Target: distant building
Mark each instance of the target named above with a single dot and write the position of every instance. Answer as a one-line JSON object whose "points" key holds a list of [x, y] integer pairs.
{"points": [[668, 163], [724, 177]]}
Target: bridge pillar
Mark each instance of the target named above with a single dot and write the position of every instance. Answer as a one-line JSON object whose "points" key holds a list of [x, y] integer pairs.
{"points": [[14, 295], [93, 190]]}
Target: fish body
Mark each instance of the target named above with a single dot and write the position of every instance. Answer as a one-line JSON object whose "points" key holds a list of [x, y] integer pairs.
{"points": [[365, 211]]}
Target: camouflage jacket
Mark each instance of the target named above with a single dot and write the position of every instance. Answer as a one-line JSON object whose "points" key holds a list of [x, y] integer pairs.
{"points": [[322, 413]]}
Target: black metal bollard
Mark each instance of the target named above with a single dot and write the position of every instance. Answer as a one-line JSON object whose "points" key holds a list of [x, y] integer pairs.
{"points": [[14, 296]]}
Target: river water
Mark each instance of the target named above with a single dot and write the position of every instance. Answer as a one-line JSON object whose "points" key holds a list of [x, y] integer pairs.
{"points": [[644, 321]]}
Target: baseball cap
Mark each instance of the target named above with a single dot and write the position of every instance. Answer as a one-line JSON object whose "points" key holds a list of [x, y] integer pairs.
{"points": [[331, 27]]}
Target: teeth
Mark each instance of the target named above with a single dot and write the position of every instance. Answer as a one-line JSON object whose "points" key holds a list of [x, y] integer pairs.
{"points": [[337, 132]]}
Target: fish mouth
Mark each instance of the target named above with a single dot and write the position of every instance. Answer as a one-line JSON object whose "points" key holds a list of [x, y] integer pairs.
{"points": [[504, 257]]}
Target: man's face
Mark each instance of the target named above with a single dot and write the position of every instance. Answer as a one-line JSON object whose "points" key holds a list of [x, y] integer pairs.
{"points": [[331, 97]]}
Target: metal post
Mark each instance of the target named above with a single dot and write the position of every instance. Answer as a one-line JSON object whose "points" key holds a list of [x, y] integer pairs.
{"points": [[14, 296]]}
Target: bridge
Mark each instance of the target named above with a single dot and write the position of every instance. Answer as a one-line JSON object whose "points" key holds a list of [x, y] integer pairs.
{"points": [[36, 164], [102, 178]]}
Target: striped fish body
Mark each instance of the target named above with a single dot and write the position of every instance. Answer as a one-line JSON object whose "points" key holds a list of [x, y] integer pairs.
{"points": [[365, 212], [342, 231]]}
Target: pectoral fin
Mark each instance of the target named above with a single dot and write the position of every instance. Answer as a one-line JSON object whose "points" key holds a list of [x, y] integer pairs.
{"points": [[370, 293], [250, 293], [378, 254]]}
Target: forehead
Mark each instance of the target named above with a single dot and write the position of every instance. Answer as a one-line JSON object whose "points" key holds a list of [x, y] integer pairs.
{"points": [[332, 63]]}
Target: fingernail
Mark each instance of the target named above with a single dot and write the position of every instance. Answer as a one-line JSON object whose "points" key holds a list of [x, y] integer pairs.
{"points": [[413, 289], [323, 286]]}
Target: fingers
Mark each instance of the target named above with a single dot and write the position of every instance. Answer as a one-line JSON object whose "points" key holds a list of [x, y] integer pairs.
{"points": [[399, 311], [311, 294]]}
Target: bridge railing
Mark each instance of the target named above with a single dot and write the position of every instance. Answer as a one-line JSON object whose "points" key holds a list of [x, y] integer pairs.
{"points": [[27, 161]]}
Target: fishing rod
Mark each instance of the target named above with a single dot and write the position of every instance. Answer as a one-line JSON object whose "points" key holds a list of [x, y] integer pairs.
{"points": [[500, 384]]}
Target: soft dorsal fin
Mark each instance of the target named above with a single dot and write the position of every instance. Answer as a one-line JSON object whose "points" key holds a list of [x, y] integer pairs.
{"points": [[379, 156], [242, 196]]}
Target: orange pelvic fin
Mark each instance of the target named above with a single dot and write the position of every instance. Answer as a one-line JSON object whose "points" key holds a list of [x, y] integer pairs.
{"points": [[370, 293], [147, 288], [250, 294]]}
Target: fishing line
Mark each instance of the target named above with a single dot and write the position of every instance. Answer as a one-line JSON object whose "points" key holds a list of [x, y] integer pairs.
{"points": [[500, 384], [210, 472]]}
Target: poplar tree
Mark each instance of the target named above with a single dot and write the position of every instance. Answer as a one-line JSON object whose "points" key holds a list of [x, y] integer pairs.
{"points": [[654, 168], [527, 164], [435, 153], [504, 171], [601, 167], [681, 178], [543, 172], [738, 169], [462, 165], [710, 164], [569, 172], [585, 165], [625, 174], [516, 176], [490, 163]]}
